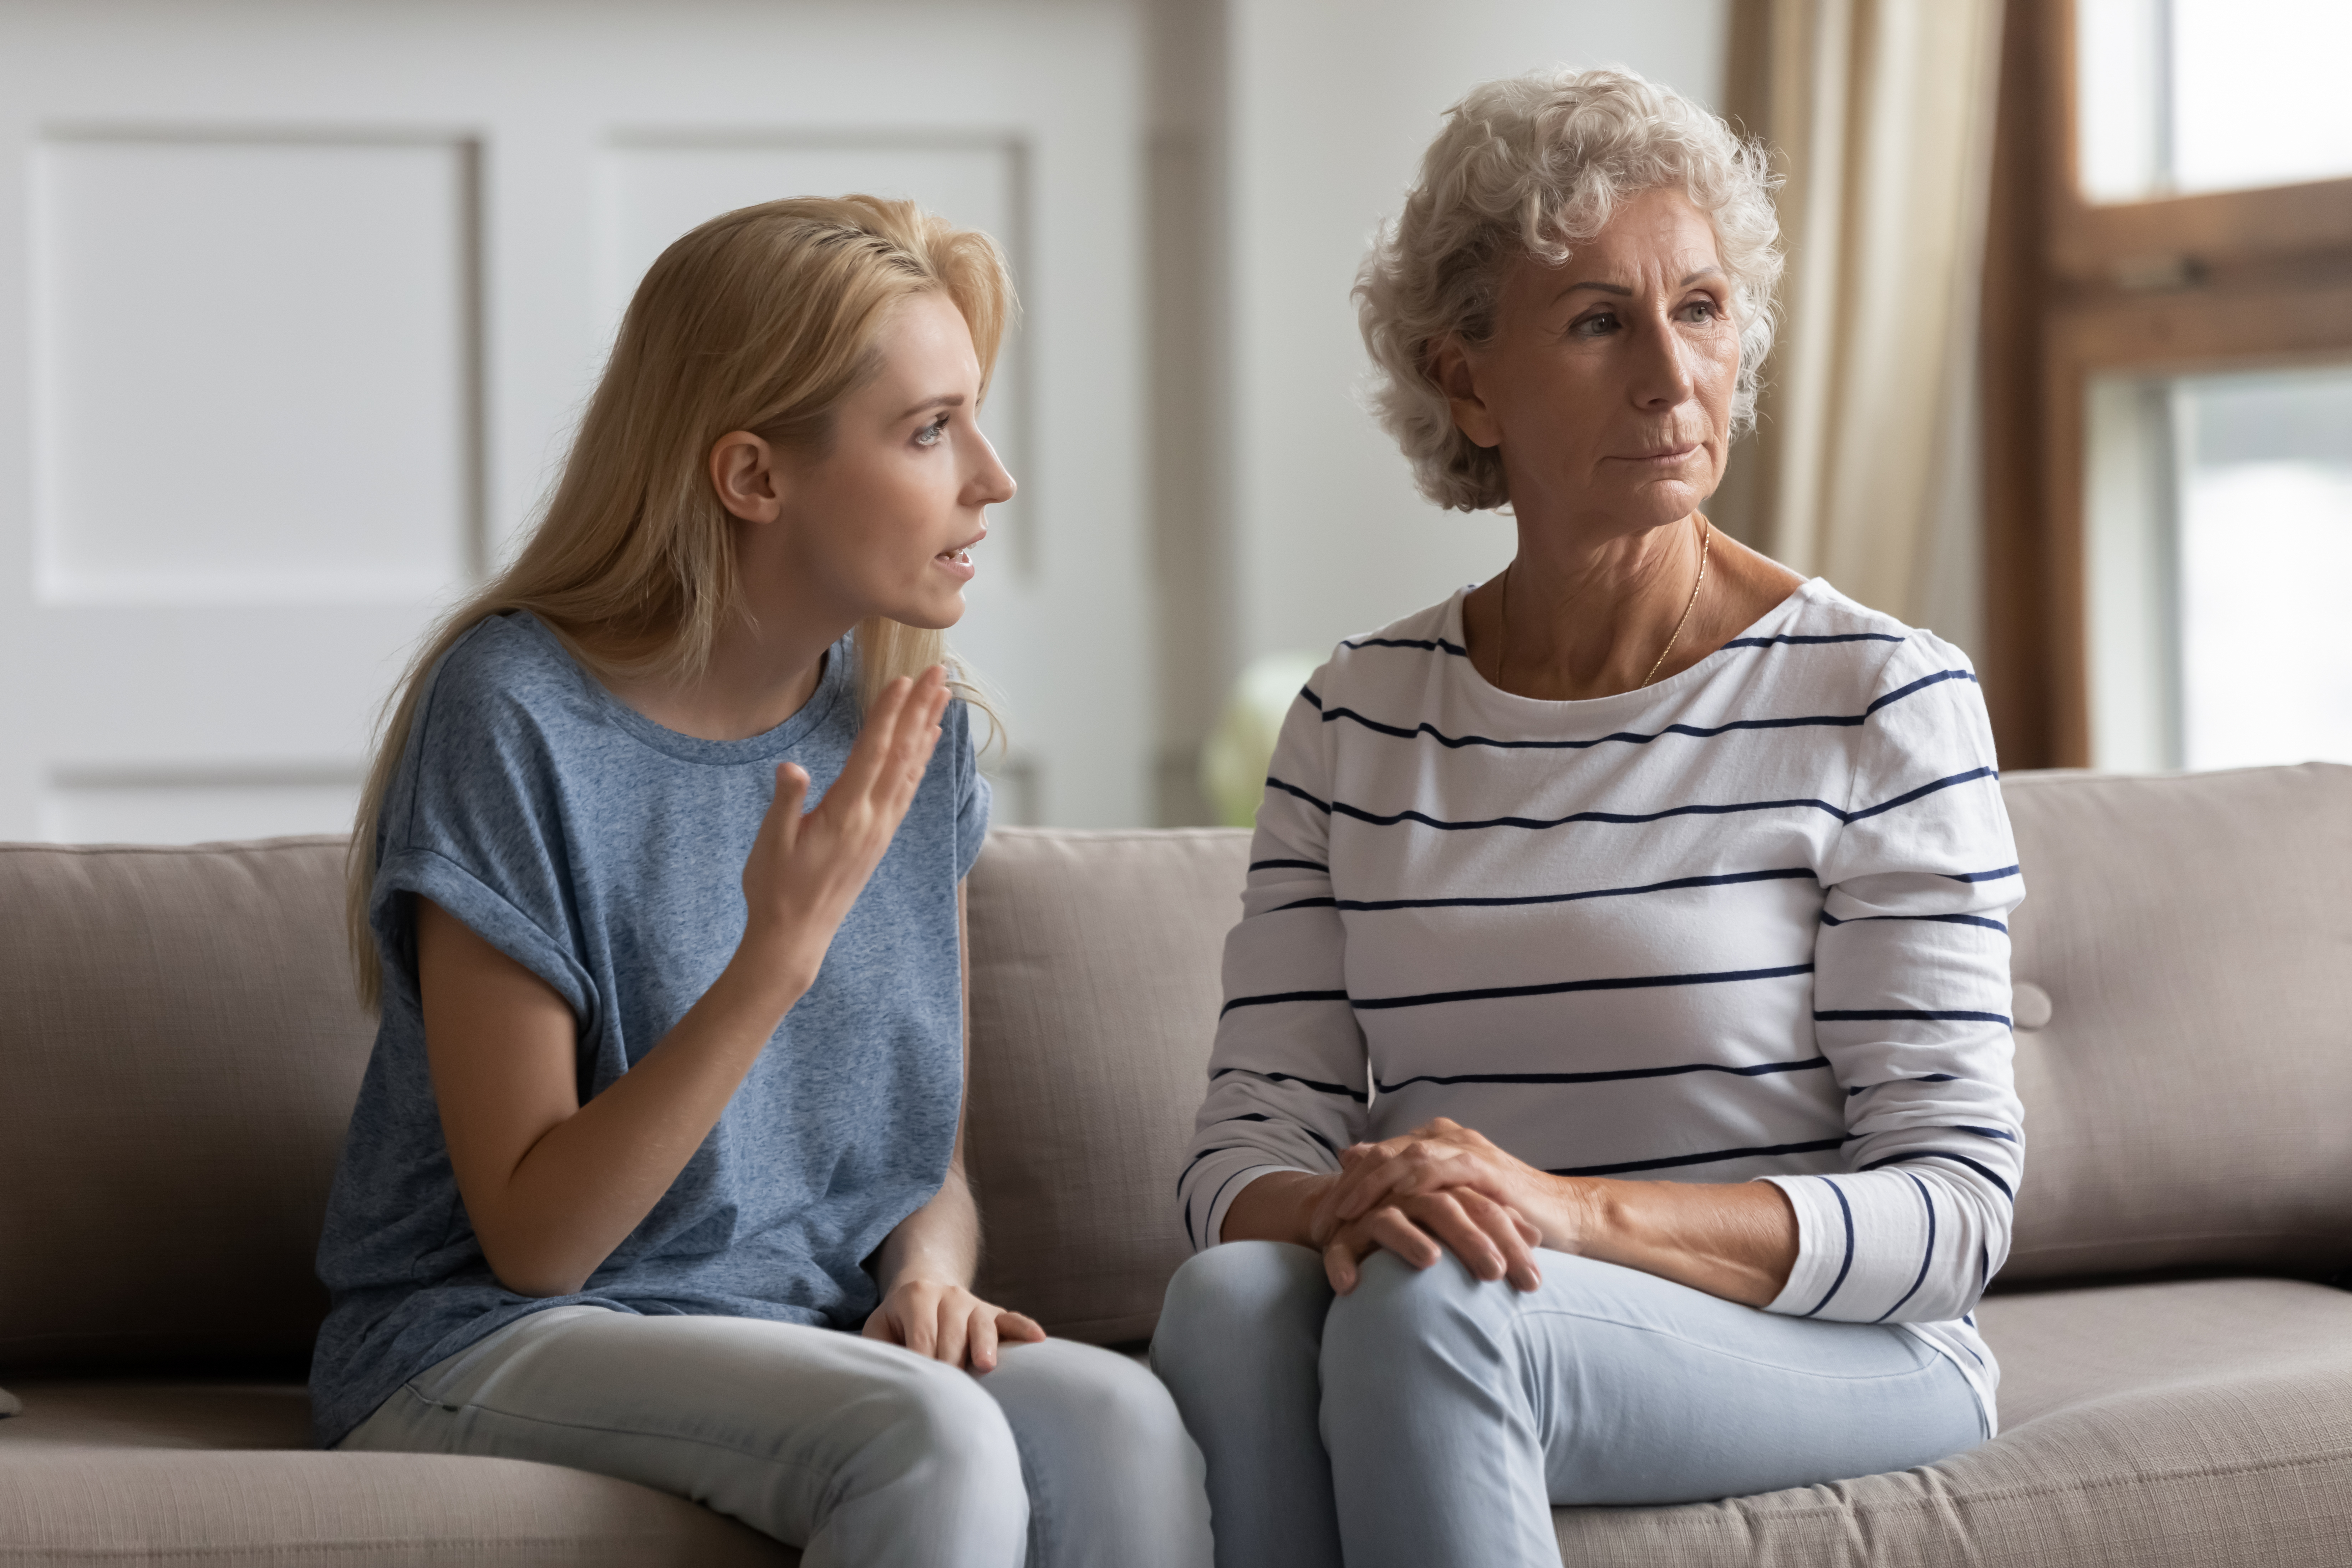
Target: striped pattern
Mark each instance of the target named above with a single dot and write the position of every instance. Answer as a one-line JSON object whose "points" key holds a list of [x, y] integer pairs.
{"points": [[1749, 923]]}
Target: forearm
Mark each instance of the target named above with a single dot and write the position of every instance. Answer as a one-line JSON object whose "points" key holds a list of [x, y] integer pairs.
{"points": [[590, 1178], [938, 1242], [1733, 1239]]}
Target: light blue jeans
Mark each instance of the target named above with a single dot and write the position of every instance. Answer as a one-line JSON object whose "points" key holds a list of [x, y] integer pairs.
{"points": [[1428, 1417], [855, 1451]]}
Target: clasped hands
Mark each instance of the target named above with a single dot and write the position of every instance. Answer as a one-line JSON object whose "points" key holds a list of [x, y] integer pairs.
{"points": [[1442, 1185]]}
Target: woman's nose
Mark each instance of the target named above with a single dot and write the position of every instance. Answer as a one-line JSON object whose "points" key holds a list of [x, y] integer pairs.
{"points": [[1662, 369], [993, 484]]}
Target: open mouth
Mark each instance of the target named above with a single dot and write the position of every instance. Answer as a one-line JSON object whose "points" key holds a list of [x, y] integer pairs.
{"points": [[957, 563]]}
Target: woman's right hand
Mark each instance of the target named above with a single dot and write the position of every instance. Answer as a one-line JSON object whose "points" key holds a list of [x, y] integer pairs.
{"points": [[1493, 1240], [805, 869]]}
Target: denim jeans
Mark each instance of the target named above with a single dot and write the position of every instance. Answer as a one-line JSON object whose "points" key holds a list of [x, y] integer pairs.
{"points": [[855, 1451], [1428, 1417]]}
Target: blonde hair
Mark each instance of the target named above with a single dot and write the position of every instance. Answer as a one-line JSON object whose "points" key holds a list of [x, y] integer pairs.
{"points": [[762, 320], [1531, 166]]}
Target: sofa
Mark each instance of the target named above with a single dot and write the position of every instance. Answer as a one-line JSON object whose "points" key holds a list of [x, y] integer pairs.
{"points": [[179, 1051]]}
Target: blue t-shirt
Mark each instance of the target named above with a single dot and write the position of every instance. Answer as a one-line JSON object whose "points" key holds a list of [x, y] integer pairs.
{"points": [[605, 853]]}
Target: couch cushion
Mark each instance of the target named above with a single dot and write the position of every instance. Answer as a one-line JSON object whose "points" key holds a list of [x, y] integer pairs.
{"points": [[2185, 1102], [195, 1473], [2183, 1094], [179, 1052], [1094, 990], [2168, 1426]]}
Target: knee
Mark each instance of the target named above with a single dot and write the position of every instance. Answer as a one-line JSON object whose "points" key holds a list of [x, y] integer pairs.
{"points": [[1099, 1407], [1117, 1477], [1227, 1296], [932, 1420], [1397, 1314]]}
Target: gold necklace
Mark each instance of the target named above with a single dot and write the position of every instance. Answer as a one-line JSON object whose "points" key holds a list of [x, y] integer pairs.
{"points": [[1705, 532], [1503, 609]]}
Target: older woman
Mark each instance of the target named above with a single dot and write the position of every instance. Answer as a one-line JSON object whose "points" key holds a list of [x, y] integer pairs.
{"points": [[1611, 1102]]}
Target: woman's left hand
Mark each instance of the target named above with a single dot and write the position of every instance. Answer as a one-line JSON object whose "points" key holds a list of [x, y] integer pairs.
{"points": [[948, 1323], [1434, 1157]]}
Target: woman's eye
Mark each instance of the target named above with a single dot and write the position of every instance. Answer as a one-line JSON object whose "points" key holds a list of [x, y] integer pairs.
{"points": [[1700, 311], [1597, 326], [932, 434]]}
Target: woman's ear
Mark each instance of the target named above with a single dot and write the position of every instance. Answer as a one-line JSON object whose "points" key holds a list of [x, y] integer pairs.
{"points": [[1449, 367], [745, 473]]}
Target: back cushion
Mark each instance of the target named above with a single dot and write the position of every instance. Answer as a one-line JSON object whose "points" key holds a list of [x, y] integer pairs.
{"points": [[1095, 992], [2188, 1103], [179, 1053], [2189, 1099]]}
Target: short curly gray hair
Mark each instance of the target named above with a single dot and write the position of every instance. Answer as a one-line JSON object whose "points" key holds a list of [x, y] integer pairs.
{"points": [[1532, 166]]}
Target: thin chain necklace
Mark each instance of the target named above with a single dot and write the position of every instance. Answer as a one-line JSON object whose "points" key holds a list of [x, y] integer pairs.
{"points": [[1503, 643]]}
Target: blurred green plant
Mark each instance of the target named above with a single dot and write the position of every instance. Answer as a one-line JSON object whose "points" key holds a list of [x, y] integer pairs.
{"points": [[1233, 758]]}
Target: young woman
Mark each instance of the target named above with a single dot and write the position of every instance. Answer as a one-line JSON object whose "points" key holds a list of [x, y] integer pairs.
{"points": [[668, 1092]]}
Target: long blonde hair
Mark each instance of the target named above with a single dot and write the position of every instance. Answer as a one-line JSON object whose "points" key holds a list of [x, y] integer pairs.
{"points": [[762, 320]]}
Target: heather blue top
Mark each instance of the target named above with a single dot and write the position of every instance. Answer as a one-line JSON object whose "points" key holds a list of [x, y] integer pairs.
{"points": [[605, 855]]}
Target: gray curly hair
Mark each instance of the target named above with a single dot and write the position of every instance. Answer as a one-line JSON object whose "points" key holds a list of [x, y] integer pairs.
{"points": [[1532, 166]]}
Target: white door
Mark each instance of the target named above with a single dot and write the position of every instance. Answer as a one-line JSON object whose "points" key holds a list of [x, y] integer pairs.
{"points": [[301, 303]]}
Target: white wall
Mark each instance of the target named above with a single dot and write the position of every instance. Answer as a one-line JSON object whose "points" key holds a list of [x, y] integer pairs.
{"points": [[1331, 104]]}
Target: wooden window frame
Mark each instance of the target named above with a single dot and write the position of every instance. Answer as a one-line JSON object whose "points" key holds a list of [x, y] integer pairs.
{"points": [[2227, 280]]}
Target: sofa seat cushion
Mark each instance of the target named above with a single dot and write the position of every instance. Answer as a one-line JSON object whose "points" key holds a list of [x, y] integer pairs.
{"points": [[2154, 1426], [207, 1473]]}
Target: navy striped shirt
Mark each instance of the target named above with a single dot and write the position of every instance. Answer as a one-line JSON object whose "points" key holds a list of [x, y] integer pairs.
{"points": [[1750, 922]]}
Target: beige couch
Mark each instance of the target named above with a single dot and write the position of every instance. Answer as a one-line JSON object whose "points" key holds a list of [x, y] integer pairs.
{"points": [[179, 1051]]}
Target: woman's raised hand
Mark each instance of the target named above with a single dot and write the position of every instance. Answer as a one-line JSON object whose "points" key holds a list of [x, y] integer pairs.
{"points": [[1442, 1182], [805, 869]]}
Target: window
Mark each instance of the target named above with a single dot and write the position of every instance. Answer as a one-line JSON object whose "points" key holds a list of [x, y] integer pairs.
{"points": [[2177, 97], [2169, 359], [2219, 516]]}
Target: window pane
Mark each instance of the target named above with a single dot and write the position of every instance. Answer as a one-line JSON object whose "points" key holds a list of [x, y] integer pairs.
{"points": [[2119, 65], [2265, 540], [2219, 513], [2180, 96], [2133, 609]]}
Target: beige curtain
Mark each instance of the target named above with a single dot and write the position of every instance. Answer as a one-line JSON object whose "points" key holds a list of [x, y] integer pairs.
{"points": [[1863, 467]]}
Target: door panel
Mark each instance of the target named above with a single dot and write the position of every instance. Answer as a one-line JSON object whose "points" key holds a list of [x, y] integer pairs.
{"points": [[252, 369]]}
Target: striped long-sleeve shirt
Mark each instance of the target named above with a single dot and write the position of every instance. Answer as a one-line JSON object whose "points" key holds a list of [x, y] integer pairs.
{"points": [[1747, 923]]}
